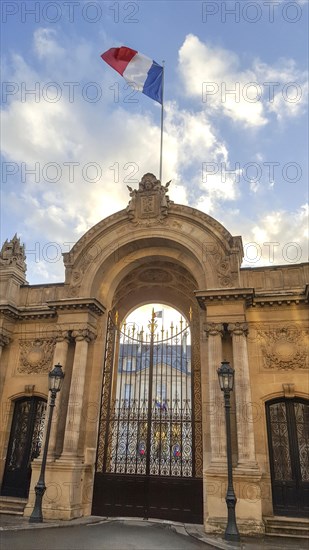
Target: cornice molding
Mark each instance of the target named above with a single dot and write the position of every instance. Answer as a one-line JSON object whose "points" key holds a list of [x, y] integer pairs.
{"points": [[77, 304], [205, 297], [252, 297], [26, 313], [281, 297], [50, 309]]}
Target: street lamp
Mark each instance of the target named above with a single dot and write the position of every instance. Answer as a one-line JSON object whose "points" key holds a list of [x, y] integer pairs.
{"points": [[55, 379], [226, 381]]}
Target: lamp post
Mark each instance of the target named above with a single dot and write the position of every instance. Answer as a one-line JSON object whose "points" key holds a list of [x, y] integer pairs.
{"points": [[226, 380], [55, 379]]}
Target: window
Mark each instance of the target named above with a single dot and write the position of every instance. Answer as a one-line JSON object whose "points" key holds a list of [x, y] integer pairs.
{"points": [[161, 391], [127, 391], [129, 364]]}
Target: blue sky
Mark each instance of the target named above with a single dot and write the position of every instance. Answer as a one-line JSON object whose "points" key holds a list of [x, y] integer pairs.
{"points": [[240, 157]]}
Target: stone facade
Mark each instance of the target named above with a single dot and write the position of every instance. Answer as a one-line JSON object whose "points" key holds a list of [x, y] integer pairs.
{"points": [[156, 251]]}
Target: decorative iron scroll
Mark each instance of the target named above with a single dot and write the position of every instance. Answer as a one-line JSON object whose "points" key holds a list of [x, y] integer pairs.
{"points": [[106, 395], [147, 418], [280, 441], [302, 430], [28, 413]]}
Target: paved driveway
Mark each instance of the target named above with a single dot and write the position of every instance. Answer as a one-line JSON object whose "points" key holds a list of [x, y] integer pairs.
{"points": [[111, 535]]}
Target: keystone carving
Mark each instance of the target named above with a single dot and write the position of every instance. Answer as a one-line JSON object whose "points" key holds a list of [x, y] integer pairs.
{"points": [[149, 203]]}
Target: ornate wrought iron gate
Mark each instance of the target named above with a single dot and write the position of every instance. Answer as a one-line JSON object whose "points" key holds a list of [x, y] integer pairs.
{"points": [[24, 445], [288, 437], [146, 461]]}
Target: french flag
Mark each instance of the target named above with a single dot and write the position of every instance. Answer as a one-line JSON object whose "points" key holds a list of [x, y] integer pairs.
{"points": [[142, 72]]}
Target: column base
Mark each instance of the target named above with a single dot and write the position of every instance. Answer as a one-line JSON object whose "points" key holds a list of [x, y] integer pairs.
{"points": [[248, 468], [69, 458], [217, 466], [247, 487], [217, 526], [64, 489]]}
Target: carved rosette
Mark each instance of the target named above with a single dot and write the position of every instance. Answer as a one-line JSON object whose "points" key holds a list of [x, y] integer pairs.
{"points": [[284, 348], [35, 356]]}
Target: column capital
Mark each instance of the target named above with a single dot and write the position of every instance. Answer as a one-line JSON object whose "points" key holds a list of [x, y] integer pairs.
{"points": [[4, 340], [83, 334], [62, 335], [238, 329], [213, 329]]}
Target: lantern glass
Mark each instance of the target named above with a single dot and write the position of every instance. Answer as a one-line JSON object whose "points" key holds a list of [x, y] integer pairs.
{"points": [[55, 378], [226, 376]]}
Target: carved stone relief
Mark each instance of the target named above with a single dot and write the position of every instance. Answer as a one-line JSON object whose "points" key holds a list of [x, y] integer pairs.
{"points": [[35, 356], [149, 203], [154, 275], [226, 277], [13, 253], [284, 348]]}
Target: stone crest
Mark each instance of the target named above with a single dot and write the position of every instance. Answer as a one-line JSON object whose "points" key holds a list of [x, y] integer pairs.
{"points": [[35, 356], [149, 203], [284, 348], [13, 253]]}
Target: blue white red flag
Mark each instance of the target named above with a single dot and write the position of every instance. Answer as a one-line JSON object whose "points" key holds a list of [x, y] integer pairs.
{"points": [[138, 70], [158, 314]]}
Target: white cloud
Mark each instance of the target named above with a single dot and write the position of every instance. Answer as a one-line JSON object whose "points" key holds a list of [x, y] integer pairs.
{"points": [[213, 75], [278, 237], [120, 145], [46, 45], [119, 142]]}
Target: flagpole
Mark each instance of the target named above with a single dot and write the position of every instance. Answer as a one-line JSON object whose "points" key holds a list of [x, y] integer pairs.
{"points": [[162, 112]]}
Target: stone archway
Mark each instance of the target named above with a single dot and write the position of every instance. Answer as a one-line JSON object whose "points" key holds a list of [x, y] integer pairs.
{"points": [[179, 495], [118, 264]]}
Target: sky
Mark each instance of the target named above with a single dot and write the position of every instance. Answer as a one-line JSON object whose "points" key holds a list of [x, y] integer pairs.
{"points": [[166, 317], [74, 135]]}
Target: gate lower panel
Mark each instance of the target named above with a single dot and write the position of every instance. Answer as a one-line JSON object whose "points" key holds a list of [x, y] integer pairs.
{"points": [[171, 498]]}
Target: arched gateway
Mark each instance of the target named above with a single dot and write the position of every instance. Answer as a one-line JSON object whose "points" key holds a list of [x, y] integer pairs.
{"points": [[121, 442]]}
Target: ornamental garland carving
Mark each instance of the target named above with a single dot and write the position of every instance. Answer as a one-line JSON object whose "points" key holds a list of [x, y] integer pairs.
{"points": [[284, 348], [35, 356], [225, 267]]}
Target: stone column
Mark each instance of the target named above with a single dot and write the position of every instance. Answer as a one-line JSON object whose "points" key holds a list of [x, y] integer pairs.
{"points": [[4, 341], [60, 356], [214, 333], [75, 405], [243, 400]]}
